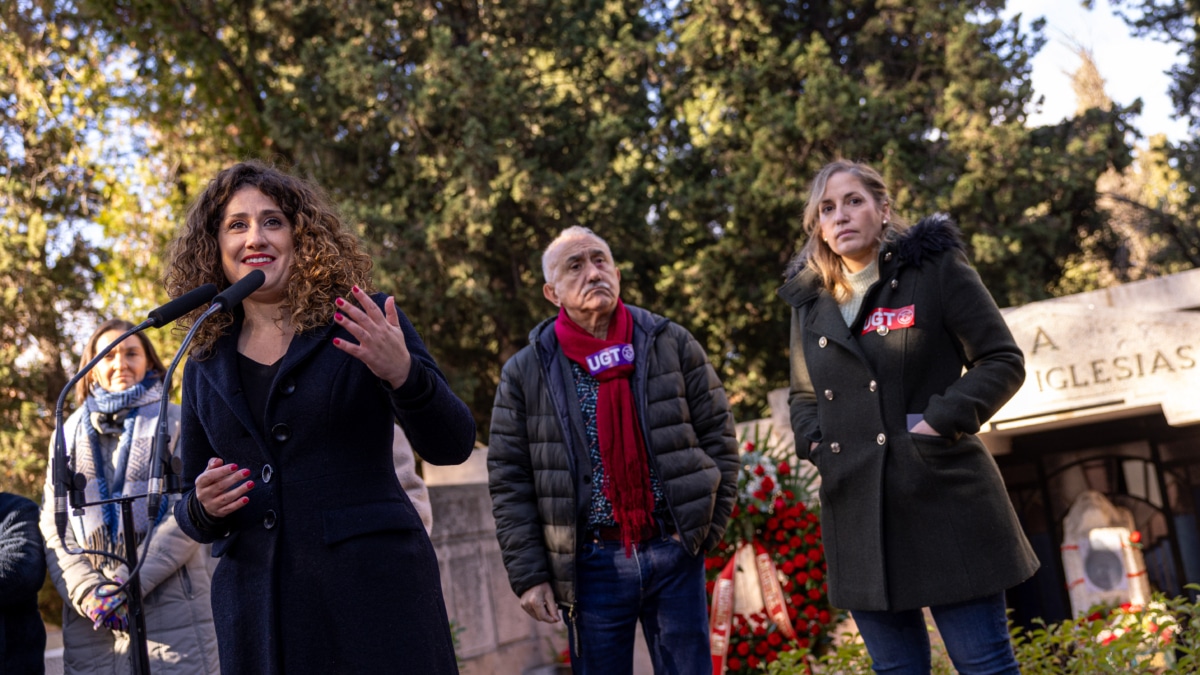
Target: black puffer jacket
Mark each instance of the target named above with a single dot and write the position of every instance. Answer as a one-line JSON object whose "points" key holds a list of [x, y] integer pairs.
{"points": [[540, 475]]}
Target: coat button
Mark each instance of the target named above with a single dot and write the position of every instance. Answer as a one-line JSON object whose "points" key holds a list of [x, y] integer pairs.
{"points": [[267, 473], [881, 439], [895, 283], [288, 387], [281, 432], [887, 256], [828, 394], [269, 519], [882, 330], [873, 386], [835, 447], [823, 342]]}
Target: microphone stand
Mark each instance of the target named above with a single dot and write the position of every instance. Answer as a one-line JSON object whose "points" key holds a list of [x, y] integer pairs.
{"points": [[140, 657], [138, 638]]}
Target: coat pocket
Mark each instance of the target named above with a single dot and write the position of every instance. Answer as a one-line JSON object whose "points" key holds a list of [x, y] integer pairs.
{"points": [[355, 521]]}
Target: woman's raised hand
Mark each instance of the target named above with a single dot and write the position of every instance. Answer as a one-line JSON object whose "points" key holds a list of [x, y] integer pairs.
{"points": [[381, 344]]}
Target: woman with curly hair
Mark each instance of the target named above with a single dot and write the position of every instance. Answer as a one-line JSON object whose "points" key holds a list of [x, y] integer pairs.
{"points": [[286, 433]]}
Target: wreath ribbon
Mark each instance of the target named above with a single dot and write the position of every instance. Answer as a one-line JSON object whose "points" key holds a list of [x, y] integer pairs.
{"points": [[721, 613]]}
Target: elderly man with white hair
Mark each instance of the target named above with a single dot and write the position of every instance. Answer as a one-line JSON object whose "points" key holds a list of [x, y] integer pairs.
{"points": [[613, 469]]}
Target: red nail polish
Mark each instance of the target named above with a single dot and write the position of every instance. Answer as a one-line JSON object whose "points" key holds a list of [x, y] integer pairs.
{"points": [[337, 316], [245, 473], [249, 484], [339, 302], [355, 289], [245, 500], [232, 468], [337, 341]]}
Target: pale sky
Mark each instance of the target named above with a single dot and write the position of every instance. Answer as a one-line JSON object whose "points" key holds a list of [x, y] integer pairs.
{"points": [[1131, 67]]}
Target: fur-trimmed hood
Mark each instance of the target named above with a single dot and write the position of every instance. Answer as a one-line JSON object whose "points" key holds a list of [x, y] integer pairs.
{"points": [[931, 235]]}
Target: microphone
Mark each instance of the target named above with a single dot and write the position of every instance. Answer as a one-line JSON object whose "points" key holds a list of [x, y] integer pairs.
{"points": [[225, 300], [234, 295], [185, 303], [66, 479]]}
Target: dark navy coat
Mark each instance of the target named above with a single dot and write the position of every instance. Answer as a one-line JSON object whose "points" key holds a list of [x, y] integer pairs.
{"points": [[328, 568], [908, 520], [22, 571]]}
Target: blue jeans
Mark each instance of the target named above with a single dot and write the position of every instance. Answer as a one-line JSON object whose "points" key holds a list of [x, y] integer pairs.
{"points": [[975, 633], [660, 584]]}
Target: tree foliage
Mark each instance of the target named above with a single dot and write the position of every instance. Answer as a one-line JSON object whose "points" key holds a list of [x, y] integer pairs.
{"points": [[50, 186], [460, 137]]}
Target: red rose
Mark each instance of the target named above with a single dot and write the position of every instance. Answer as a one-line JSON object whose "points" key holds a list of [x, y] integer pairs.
{"points": [[781, 536], [733, 514], [734, 664], [752, 509], [749, 446], [783, 550], [810, 612], [823, 616], [814, 594], [784, 470], [801, 560], [779, 503], [798, 600], [816, 574], [788, 568], [760, 631], [795, 542], [754, 661], [759, 495], [810, 539], [803, 642], [743, 648], [761, 649], [789, 523], [759, 470], [767, 483], [772, 523], [774, 639], [802, 577], [1135, 537], [788, 586], [772, 656]]}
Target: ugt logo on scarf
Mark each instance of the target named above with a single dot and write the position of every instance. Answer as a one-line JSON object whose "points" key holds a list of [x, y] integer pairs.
{"points": [[610, 357]]}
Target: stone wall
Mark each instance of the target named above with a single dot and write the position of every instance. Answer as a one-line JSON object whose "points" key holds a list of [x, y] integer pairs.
{"points": [[496, 636]]}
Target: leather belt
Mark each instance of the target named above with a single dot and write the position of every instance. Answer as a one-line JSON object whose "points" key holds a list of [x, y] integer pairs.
{"points": [[657, 528]]}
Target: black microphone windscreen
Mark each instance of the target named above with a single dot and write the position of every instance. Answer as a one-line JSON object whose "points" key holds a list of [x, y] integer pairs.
{"points": [[233, 296], [182, 305]]}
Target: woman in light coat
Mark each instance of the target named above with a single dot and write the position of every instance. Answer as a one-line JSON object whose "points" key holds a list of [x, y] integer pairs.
{"points": [[914, 512], [110, 437]]}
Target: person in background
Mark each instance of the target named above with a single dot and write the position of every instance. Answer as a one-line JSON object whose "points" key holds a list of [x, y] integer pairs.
{"points": [[288, 404], [411, 481], [22, 571], [110, 436], [914, 512], [612, 467]]}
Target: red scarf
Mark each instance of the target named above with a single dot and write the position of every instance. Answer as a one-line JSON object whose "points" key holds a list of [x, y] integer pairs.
{"points": [[622, 448]]}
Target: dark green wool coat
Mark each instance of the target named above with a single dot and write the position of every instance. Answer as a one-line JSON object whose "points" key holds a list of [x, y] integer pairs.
{"points": [[908, 520], [539, 472]]}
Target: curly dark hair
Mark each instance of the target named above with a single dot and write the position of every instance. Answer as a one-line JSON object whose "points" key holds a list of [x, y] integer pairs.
{"points": [[328, 259]]}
